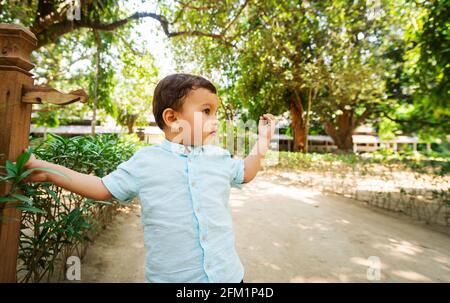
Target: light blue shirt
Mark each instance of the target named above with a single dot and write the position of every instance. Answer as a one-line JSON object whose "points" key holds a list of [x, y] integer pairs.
{"points": [[184, 195]]}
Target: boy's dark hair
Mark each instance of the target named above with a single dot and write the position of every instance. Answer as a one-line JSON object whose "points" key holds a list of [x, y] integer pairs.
{"points": [[171, 91]]}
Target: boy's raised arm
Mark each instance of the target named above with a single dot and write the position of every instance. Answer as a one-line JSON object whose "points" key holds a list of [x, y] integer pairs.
{"points": [[85, 185], [252, 162]]}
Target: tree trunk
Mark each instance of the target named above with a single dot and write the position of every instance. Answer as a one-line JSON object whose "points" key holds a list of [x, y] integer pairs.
{"points": [[311, 96], [130, 124], [298, 124], [96, 84], [343, 131], [130, 129]]}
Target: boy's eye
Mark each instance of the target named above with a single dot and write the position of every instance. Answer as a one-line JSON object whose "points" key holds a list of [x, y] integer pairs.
{"points": [[207, 111]]}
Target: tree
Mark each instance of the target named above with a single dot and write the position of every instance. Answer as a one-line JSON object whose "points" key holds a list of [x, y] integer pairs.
{"points": [[50, 20], [418, 69], [433, 43], [289, 55], [353, 88], [335, 60], [65, 32], [268, 63], [136, 79], [352, 93]]}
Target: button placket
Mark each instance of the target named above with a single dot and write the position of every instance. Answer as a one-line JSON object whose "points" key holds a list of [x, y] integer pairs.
{"points": [[197, 211]]}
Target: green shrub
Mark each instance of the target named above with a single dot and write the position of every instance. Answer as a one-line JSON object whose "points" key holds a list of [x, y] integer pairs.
{"points": [[56, 224], [417, 162]]}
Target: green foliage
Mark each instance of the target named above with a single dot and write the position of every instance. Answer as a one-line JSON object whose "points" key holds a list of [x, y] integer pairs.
{"points": [[387, 129], [102, 83], [357, 56], [68, 62], [327, 52], [433, 71], [15, 174], [418, 70], [135, 78], [419, 163]]}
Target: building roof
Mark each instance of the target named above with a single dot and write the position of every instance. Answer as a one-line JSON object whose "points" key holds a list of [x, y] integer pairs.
{"points": [[86, 130]]}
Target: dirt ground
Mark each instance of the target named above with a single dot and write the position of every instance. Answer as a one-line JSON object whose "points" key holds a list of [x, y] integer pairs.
{"points": [[288, 233]]}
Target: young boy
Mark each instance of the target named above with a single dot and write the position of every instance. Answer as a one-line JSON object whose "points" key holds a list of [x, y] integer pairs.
{"points": [[183, 185]]}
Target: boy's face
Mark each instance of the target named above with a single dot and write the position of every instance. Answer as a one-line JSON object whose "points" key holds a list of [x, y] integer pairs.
{"points": [[198, 117]]}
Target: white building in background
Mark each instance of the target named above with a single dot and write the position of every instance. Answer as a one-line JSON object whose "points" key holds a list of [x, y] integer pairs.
{"points": [[365, 139], [150, 134]]}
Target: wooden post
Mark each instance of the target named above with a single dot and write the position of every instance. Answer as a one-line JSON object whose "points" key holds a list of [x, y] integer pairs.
{"points": [[17, 94], [16, 45]]}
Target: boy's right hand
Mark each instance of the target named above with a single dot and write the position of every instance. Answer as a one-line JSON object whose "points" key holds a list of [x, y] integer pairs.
{"points": [[37, 175]]}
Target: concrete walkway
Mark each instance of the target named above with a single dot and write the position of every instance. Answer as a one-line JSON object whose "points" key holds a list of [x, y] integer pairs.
{"points": [[287, 233]]}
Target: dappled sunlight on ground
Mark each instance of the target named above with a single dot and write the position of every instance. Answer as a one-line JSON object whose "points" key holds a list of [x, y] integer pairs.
{"points": [[282, 238], [411, 276], [421, 196]]}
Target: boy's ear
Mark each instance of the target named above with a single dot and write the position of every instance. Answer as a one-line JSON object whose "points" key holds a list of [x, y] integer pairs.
{"points": [[170, 117]]}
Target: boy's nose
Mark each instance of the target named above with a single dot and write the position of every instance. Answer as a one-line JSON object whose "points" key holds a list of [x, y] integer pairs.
{"points": [[215, 124], [211, 125]]}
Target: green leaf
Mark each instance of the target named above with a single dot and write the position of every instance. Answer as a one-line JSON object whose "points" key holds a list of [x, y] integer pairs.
{"points": [[11, 168], [22, 159], [55, 197], [6, 178], [22, 198], [7, 199], [50, 170], [92, 202], [30, 209], [59, 138]]}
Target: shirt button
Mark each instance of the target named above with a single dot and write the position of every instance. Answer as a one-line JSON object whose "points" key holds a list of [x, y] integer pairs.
{"points": [[203, 238], [197, 209], [193, 183]]}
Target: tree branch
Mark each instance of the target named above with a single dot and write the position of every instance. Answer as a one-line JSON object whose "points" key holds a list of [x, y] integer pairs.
{"points": [[362, 117], [298, 102], [181, 12], [56, 30], [235, 17], [420, 122], [198, 8], [46, 15]]}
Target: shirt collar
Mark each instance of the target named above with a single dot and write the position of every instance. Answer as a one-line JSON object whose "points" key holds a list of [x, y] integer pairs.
{"points": [[181, 149]]}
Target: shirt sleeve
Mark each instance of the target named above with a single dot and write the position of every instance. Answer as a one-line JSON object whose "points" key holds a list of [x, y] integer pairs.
{"points": [[122, 182], [237, 172]]}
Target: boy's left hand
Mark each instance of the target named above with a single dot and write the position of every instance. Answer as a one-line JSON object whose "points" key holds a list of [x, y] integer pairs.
{"points": [[266, 127]]}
